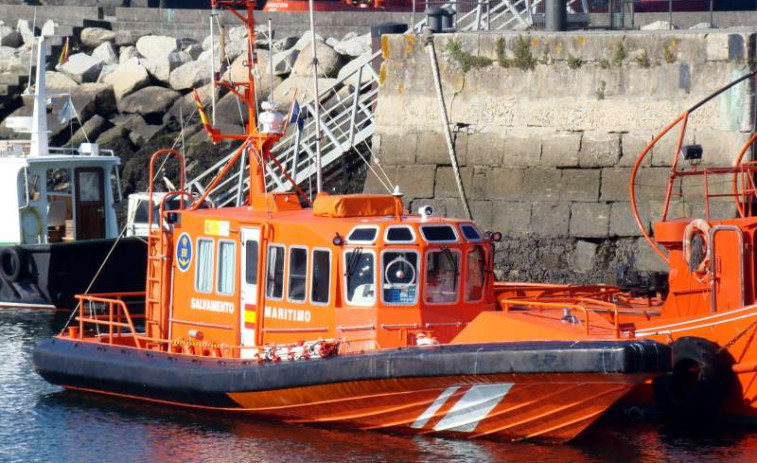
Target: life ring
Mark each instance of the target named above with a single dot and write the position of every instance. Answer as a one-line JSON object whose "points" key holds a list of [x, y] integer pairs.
{"points": [[699, 383], [13, 263], [697, 227], [31, 237]]}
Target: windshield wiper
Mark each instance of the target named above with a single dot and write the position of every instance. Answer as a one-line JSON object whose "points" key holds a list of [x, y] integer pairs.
{"points": [[353, 261]]}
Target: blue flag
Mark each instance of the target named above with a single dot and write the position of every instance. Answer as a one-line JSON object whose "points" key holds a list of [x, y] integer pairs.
{"points": [[296, 116]]}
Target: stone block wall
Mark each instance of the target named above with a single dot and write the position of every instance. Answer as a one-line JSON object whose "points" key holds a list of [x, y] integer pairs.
{"points": [[546, 143]]}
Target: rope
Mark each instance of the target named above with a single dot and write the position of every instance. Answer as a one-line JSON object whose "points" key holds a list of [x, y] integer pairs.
{"points": [[736, 338], [429, 44]]}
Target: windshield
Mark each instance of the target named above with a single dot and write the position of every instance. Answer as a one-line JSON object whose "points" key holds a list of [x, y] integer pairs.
{"points": [[400, 277], [359, 273], [475, 268], [442, 272]]}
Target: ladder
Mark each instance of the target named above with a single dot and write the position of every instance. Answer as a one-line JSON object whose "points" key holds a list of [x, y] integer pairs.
{"points": [[347, 125], [158, 272]]}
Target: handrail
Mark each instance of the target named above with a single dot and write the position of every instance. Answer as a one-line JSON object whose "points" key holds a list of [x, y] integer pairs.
{"points": [[507, 304], [114, 320], [682, 119]]}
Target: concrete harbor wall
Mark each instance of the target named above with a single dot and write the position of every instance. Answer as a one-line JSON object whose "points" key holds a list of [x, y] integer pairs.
{"points": [[547, 128]]}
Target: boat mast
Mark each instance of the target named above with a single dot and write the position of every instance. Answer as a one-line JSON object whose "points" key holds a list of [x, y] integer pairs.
{"points": [[257, 143], [39, 142], [316, 102]]}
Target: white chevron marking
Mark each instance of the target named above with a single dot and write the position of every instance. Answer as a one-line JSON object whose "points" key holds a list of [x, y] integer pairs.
{"points": [[473, 407], [434, 407]]}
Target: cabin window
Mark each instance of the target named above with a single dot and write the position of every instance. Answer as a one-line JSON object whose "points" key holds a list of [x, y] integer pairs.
{"points": [[251, 262], [298, 274], [475, 268], [360, 278], [400, 234], [204, 266], [365, 235], [227, 254], [400, 277], [89, 186], [442, 272], [274, 287], [321, 277], [470, 232], [59, 181], [439, 233]]}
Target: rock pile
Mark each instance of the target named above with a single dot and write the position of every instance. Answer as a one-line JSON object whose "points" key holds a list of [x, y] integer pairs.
{"points": [[133, 94]]}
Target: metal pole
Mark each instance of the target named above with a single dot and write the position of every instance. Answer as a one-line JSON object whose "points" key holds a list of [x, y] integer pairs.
{"points": [[318, 173], [429, 44], [213, 13], [296, 154], [556, 15], [240, 183], [270, 56], [670, 14], [412, 18]]}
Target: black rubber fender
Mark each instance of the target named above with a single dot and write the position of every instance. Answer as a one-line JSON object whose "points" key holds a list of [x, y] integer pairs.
{"points": [[699, 383], [14, 263]]}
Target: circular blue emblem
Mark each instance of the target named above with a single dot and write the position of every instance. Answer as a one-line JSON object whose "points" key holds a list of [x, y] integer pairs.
{"points": [[184, 252]]}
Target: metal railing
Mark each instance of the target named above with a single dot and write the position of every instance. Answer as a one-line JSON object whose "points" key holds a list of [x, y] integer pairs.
{"points": [[347, 124], [630, 6], [481, 15]]}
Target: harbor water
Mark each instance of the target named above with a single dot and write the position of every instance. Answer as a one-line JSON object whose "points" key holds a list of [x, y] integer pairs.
{"points": [[42, 423]]}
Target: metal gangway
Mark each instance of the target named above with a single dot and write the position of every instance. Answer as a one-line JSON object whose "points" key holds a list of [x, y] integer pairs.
{"points": [[347, 124], [496, 15]]}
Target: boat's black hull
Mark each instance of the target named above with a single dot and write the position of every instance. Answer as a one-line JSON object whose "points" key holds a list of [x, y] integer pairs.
{"points": [[208, 381], [54, 273]]}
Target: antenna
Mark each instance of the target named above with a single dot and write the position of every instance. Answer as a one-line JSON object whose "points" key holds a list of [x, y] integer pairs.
{"points": [[39, 145], [317, 103]]}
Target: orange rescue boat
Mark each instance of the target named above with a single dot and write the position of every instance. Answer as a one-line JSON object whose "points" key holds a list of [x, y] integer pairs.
{"points": [[350, 312], [709, 314]]}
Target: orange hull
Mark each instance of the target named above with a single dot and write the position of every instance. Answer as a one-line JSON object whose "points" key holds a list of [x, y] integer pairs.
{"points": [[504, 407]]}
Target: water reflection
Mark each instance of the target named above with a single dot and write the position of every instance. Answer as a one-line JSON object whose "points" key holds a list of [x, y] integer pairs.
{"points": [[42, 423]]}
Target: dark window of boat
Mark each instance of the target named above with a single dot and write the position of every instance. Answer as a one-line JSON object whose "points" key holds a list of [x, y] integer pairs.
{"points": [[227, 260], [442, 275], [470, 232], [359, 271], [399, 235], [475, 268], [363, 235], [400, 277], [204, 266], [251, 262], [274, 286], [298, 274], [438, 233], [321, 277]]}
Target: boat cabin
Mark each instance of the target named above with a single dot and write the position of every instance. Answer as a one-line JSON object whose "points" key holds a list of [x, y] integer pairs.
{"points": [[353, 267], [62, 195]]}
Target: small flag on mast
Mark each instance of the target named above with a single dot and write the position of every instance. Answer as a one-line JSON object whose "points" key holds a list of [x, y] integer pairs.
{"points": [[203, 117], [296, 115], [64, 53]]}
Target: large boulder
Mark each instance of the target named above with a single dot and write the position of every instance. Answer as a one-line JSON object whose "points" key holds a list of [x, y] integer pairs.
{"points": [[354, 46], [26, 29], [160, 67], [128, 78], [238, 72], [229, 111], [283, 62], [82, 68], [157, 46], [349, 73], [14, 60], [193, 50], [305, 40], [303, 85], [50, 28], [106, 53], [150, 102], [126, 38], [90, 99], [10, 38], [189, 75], [117, 139], [285, 43], [184, 107], [93, 37], [126, 53], [59, 82], [329, 61], [90, 130]]}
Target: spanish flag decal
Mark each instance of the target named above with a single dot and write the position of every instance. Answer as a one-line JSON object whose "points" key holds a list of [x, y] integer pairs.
{"points": [[64, 53]]}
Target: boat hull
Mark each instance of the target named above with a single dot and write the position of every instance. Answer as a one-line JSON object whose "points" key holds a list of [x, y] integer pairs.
{"points": [[547, 391], [56, 272]]}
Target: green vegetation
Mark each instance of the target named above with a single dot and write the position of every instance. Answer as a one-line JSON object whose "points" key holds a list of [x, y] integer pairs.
{"points": [[575, 62], [604, 64], [643, 59], [522, 57], [668, 55], [465, 60], [619, 54], [501, 53]]}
